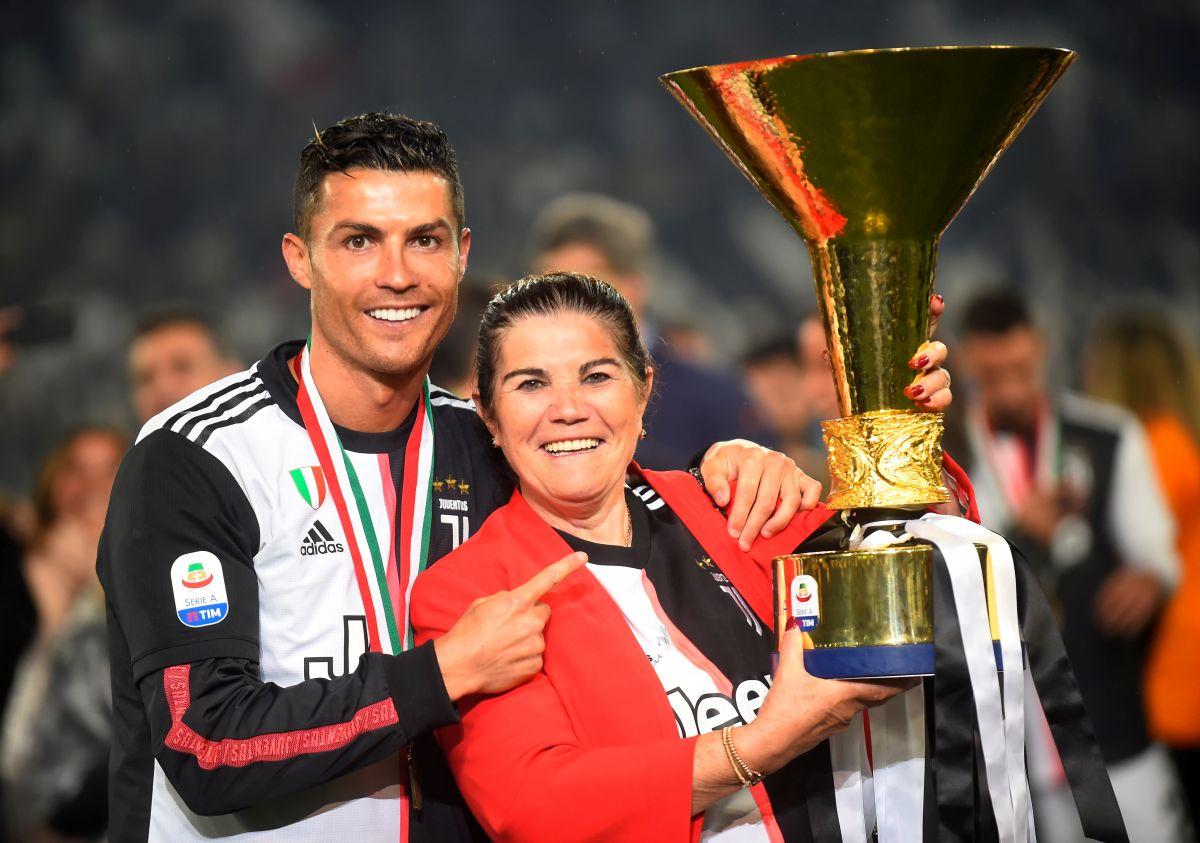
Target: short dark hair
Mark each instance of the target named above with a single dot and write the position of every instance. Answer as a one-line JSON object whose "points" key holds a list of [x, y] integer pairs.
{"points": [[783, 346], [995, 312], [621, 232], [374, 141], [171, 317], [551, 294]]}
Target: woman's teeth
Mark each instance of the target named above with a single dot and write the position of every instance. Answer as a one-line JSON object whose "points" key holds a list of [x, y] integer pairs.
{"points": [[571, 445], [392, 314]]}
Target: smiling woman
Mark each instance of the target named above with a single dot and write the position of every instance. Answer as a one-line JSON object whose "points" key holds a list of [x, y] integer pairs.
{"points": [[657, 714], [563, 383]]}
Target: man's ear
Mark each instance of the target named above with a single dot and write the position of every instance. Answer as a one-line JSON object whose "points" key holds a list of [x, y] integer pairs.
{"points": [[295, 255], [464, 248]]}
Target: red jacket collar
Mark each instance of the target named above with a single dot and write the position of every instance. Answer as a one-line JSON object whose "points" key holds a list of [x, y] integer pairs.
{"points": [[750, 573]]}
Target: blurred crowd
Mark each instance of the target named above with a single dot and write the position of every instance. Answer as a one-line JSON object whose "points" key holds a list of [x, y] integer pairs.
{"points": [[1099, 490]]}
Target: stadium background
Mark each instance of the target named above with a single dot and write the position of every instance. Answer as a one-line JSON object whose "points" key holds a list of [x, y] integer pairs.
{"points": [[148, 150]]}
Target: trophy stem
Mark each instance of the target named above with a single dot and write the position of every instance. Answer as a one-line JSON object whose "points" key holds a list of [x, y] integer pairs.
{"points": [[874, 302]]}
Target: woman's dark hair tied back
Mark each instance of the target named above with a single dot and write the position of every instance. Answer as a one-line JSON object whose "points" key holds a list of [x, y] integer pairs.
{"points": [[550, 294]]}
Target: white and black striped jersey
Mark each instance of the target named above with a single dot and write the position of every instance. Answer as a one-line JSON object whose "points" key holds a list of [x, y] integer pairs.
{"points": [[246, 701]]}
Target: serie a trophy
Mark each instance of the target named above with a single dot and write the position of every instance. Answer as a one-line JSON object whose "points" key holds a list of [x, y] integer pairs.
{"points": [[869, 155]]}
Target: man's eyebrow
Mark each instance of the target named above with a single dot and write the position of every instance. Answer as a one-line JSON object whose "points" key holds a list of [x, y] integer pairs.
{"points": [[358, 228], [515, 373], [438, 226], [599, 361]]}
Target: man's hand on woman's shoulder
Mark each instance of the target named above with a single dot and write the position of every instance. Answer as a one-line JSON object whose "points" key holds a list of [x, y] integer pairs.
{"points": [[771, 488]]}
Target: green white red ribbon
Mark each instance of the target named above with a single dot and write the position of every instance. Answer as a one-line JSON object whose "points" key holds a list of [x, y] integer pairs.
{"points": [[388, 626]]}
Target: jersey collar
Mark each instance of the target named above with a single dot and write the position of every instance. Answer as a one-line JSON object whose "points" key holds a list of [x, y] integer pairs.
{"points": [[273, 369]]}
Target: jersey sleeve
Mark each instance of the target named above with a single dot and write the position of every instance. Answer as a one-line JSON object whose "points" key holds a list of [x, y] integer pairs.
{"points": [[176, 557], [227, 740], [1142, 525]]}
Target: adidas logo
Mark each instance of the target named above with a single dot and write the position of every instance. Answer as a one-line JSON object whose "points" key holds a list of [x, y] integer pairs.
{"points": [[318, 542]]}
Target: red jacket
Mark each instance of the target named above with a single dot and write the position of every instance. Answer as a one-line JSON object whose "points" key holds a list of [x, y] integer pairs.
{"points": [[588, 748]]}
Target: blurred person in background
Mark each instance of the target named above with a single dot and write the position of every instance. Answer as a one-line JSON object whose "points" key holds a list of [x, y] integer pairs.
{"points": [[173, 353], [614, 241], [819, 388], [1142, 362], [689, 341], [453, 365], [19, 618], [779, 383], [1071, 483], [58, 724]]}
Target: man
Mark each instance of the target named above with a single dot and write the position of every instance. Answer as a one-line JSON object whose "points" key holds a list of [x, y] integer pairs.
{"points": [[778, 381], [173, 353], [265, 532], [1071, 483], [614, 241]]}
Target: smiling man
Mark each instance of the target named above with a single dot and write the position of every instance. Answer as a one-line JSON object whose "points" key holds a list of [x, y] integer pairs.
{"points": [[264, 534]]}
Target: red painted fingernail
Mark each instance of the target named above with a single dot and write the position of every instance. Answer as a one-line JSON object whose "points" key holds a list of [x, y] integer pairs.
{"points": [[919, 362], [915, 391], [939, 298]]}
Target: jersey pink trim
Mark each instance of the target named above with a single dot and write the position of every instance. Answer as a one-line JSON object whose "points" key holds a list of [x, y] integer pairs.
{"points": [[684, 644], [277, 746]]}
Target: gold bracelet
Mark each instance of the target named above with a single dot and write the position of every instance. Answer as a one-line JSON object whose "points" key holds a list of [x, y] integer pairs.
{"points": [[741, 769]]}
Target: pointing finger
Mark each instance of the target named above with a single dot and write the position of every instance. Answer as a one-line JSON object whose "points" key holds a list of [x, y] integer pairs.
{"points": [[548, 577]]}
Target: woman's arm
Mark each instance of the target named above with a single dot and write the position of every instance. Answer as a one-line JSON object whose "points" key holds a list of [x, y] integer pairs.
{"points": [[528, 776]]}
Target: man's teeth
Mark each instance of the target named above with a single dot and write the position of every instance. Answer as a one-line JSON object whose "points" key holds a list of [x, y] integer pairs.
{"points": [[392, 314], [571, 445]]}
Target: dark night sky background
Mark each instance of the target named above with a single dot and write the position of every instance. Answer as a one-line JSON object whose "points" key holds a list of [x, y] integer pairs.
{"points": [[148, 151]]}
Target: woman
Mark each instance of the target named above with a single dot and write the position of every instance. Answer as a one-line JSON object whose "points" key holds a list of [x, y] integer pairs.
{"points": [[664, 636], [1142, 363], [58, 722]]}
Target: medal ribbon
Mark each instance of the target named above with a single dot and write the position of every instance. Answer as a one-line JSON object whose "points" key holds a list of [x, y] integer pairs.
{"points": [[415, 507]]}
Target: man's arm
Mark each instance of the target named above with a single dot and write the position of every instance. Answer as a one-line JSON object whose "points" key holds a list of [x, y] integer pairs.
{"points": [[1144, 533], [227, 740], [1141, 521]]}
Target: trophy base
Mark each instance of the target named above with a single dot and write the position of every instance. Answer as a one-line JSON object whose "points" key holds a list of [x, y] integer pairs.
{"points": [[870, 662], [878, 662], [866, 613]]}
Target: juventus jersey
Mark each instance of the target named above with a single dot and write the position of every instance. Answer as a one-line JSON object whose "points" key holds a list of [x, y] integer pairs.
{"points": [[243, 687]]}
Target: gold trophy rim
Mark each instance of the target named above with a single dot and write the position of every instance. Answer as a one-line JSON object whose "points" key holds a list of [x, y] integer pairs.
{"points": [[1067, 53]]}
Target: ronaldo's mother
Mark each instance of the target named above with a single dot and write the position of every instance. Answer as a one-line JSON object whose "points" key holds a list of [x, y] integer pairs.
{"points": [[655, 715]]}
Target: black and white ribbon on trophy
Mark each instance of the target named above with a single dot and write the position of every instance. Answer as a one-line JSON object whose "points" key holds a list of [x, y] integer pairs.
{"points": [[923, 778]]}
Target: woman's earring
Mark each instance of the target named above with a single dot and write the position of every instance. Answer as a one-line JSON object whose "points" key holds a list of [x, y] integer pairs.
{"points": [[495, 444], [643, 434]]}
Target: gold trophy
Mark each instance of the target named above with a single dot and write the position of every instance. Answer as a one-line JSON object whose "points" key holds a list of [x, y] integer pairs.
{"points": [[869, 155]]}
